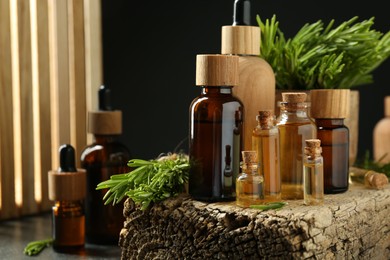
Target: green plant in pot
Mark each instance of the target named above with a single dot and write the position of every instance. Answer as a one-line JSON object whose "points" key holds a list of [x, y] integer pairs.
{"points": [[325, 57]]}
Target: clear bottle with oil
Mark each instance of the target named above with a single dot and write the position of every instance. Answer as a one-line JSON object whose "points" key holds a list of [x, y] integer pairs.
{"points": [[101, 159], [67, 189], [250, 182], [313, 173], [215, 137], [329, 109], [265, 140], [295, 127]]}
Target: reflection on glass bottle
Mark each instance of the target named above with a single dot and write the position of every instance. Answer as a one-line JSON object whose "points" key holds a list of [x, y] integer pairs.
{"points": [[227, 173]]}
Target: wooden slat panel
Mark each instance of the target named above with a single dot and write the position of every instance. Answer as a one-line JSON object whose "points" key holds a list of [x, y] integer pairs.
{"points": [[77, 76], [93, 53], [44, 98], [7, 193]]}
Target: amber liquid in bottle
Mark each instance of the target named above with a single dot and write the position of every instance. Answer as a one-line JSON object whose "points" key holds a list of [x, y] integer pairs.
{"points": [[265, 140], [250, 184], [68, 226], [215, 123], [103, 158], [313, 181], [334, 136], [295, 127]]}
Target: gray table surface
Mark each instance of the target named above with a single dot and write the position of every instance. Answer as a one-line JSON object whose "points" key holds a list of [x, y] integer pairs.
{"points": [[16, 234]]}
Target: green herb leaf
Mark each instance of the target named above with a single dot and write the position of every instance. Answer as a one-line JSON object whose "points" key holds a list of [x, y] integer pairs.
{"points": [[270, 205], [149, 181], [35, 247]]}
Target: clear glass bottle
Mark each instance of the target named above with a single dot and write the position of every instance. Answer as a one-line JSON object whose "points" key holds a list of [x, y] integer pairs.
{"points": [[381, 136], [67, 189], [334, 136], [265, 140], [295, 127], [250, 182], [313, 173], [215, 129], [106, 156]]}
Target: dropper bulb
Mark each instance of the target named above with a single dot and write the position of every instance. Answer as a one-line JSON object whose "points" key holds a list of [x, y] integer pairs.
{"points": [[104, 98], [242, 12], [67, 158]]}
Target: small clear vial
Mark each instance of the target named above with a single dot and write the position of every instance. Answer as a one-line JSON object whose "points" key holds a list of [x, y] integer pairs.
{"points": [[250, 183], [265, 140], [313, 173]]}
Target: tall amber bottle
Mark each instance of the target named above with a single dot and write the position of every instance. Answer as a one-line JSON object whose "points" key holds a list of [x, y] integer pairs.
{"points": [[101, 159], [265, 140], [215, 124], [295, 127], [381, 136], [67, 189], [329, 109], [256, 88]]}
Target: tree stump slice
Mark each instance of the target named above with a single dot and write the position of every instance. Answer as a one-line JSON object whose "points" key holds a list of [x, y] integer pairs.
{"points": [[352, 225]]}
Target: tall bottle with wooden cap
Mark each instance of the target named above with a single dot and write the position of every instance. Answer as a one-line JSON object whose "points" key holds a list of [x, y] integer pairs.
{"points": [[256, 88], [215, 125], [101, 159], [313, 173], [67, 189], [329, 108], [295, 127], [381, 136]]}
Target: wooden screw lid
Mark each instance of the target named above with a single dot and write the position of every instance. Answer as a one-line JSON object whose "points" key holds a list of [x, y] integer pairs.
{"points": [[243, 40], [105, 122], [329, 103], [387, 106], [216, 70], [67, 186], [294, 97]]}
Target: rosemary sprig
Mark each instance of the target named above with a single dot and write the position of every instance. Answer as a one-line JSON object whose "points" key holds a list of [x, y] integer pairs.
{"points": [[269, 205], [149, 181], [324, 57], [35, 247]]}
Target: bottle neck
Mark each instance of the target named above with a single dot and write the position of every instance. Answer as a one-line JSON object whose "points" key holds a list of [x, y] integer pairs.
{"points": [[216, 90], [101, 139], [331, 122], [286, 107], [250, 168]]}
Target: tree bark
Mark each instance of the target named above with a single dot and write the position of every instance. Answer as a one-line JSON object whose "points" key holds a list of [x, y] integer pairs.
{"points": [[352, 225]]}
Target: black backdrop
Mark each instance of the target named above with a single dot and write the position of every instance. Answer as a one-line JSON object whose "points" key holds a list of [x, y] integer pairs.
{"points": [[149, 51]]}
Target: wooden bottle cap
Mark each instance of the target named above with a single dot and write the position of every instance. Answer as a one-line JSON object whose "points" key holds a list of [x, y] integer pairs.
{"points": [[249, 157], [329, 103], [105, 122], [240, 40], [294, 97], [67, 186], [387, 106], [216, 70]]}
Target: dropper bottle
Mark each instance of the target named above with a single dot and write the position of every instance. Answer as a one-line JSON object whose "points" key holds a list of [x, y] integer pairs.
{"points": [[106, 156], [67, 189], [256, 87]]}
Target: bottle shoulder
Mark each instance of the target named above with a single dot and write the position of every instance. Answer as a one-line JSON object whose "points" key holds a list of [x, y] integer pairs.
{"points": [[100, 151]]}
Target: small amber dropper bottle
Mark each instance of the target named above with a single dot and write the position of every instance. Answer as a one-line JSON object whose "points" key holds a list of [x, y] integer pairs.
{"points": [[67, 189]]}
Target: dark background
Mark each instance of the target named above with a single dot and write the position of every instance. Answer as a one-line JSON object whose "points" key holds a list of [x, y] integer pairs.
{"points": [[149, 52]]}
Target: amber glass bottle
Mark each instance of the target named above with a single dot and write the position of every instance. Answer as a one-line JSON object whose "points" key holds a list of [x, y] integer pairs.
{"points": [[67, 189], [101, 159], [295, 127], [215, 124], [250, 182], [265, 140], [329, 109], [313, 173]]}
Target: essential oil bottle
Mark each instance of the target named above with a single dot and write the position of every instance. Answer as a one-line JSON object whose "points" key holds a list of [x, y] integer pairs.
{"points": [[250, 182], [295, 127], [265, 140], [106, 156], [329, 109], [313, 173], [67, 189], [215, 124]]}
